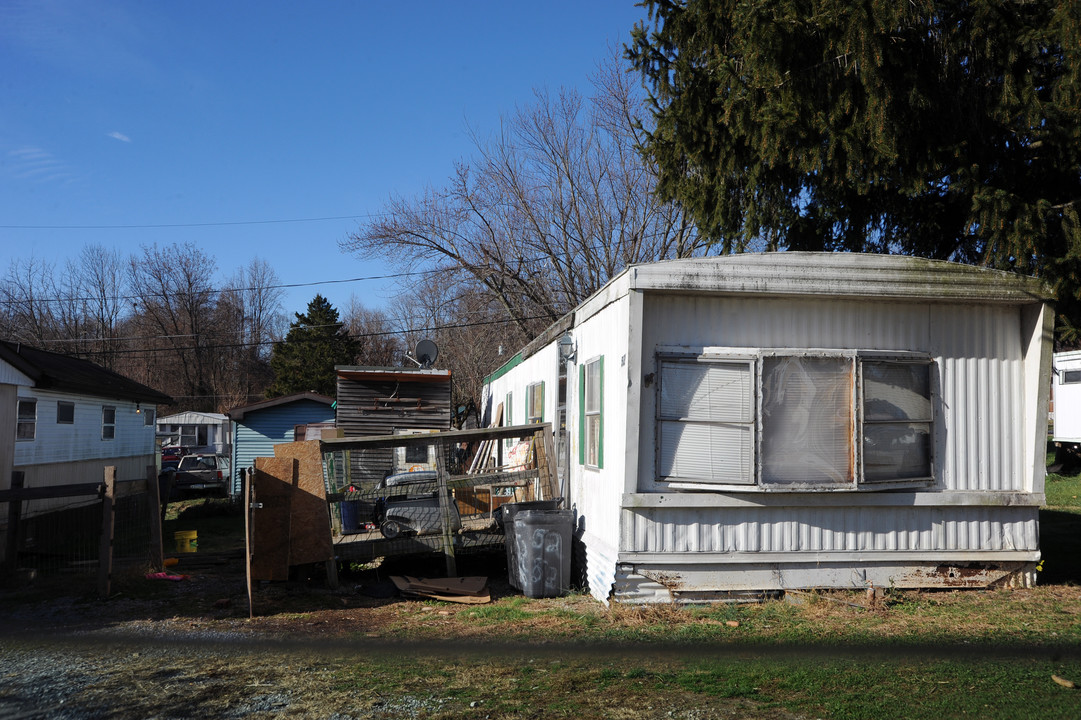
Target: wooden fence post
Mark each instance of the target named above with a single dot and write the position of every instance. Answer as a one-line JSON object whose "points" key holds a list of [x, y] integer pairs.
{"points": [[249, 503], [11, 547], [108, 526], [445, 512], [153, 494]]}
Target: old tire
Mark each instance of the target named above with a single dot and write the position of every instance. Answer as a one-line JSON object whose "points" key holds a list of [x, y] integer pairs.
{"points": [[390, 529]]}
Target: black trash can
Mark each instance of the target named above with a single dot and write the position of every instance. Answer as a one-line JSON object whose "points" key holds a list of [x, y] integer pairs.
{"points": [[542, 540], [504, 518]]}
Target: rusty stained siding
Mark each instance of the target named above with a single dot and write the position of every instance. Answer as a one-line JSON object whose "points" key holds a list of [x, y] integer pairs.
{"points": [[364, 409], [815, 530]]}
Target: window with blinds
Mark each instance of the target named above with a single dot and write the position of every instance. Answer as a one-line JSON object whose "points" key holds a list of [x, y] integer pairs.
{"points": [[799, 421], [706, 422]]}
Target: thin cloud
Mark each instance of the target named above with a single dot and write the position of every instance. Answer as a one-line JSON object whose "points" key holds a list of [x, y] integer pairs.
{"points": [[119, 136], [38, 166]]}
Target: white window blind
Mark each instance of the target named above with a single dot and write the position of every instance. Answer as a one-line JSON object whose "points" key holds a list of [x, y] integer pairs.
{"points": [[706, 420]]}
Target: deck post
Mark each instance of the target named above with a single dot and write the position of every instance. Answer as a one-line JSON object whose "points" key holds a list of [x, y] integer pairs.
{"points": [[108, 528], [445, 513], [11, 546], [153, 494]]}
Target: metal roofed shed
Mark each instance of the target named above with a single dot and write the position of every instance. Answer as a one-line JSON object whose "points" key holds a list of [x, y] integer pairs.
{"points": [[794, 420]]}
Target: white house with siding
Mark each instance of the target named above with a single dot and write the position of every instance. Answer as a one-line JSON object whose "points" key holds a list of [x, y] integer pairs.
{"points": [[63, 420], [796, 420]]}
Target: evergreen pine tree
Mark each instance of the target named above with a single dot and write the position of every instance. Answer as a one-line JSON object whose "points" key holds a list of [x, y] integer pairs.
{"points": [[943, 129], [315, 343]]}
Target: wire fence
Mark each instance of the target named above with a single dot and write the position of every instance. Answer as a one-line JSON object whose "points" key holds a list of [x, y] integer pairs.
{"points": [[82, 531], [417, 493]]}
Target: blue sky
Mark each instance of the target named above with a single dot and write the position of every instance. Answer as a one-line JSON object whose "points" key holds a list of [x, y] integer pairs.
{"points": [[218, 119]]}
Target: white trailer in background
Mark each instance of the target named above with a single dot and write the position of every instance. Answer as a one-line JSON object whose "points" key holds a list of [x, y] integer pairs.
{"points": [[792, 420], [1066, 394]]}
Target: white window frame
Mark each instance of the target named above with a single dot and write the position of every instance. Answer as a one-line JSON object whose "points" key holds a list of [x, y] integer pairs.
{"points": [[108, 426], [24, 421], [755, 357], [148, 417], [677, 427]]}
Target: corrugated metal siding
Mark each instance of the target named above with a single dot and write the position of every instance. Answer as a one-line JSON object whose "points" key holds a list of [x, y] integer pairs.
{"points": [[261, 430], [361, 413], [595, 492], [832, 529]]}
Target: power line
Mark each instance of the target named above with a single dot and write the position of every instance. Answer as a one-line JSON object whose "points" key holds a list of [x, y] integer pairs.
{"points": [[160, 226], [261, 343]]}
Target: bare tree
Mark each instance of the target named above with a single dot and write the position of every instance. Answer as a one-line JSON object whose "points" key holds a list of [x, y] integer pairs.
{"points": [[175, 318], [248, 318], [28, 297], [547, 211], [98, 286], [380, 344], [467, 324]]}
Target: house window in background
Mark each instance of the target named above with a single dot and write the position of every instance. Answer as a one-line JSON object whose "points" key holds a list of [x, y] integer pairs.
{"points": [[508, 420], [108, 422], [27, 421], [65, 413]]}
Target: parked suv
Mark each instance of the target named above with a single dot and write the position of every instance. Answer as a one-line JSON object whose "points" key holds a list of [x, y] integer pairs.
{"points": [[204, 473]]}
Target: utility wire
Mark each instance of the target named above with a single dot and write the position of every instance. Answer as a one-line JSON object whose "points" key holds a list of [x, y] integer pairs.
{"points": [[261, 343], [158, 226]]}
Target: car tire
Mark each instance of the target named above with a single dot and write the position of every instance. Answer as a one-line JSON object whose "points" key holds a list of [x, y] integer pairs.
{"points": [[390, 529]]}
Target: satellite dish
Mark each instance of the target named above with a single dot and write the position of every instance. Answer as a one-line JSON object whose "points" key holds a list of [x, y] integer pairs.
{"points": [[426, 353]]}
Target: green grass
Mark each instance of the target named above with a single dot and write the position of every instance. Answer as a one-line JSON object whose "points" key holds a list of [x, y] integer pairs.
{"points": [[1063, 491], [854, 685], [218, 522]]}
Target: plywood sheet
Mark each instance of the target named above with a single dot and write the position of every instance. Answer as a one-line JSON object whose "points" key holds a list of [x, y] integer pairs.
{"points": [[309, 517], [270, 519]]}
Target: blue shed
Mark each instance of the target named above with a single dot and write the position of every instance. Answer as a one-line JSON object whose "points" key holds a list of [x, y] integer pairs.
{"points": [[258, 427]]}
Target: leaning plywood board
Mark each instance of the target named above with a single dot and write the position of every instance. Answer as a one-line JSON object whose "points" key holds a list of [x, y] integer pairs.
{"points": [[270, 518], [309, 518]]}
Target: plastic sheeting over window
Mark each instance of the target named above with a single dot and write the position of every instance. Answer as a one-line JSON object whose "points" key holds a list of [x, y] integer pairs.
{"points": [[807, 420]]}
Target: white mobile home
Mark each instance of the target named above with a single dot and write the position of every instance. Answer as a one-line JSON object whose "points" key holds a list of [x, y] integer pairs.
{"points": [[797, 420], [201, 431], [63, 420], [1066, 392]]}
